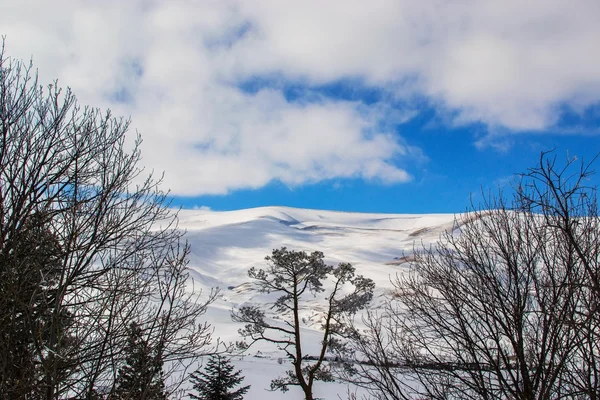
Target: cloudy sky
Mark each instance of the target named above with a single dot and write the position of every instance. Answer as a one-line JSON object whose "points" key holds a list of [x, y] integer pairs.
{"points": [[379, 105]]}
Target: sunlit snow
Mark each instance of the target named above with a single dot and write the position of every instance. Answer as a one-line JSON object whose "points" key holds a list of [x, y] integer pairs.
{"points": [[224, 245]]}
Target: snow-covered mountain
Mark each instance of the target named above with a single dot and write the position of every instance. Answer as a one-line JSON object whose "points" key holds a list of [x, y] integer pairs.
{"points": [[224, 245]]}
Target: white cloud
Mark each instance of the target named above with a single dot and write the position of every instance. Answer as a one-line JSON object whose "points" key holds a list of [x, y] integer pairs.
{"points": [[202, 208], [507, 63], [174, 67]]}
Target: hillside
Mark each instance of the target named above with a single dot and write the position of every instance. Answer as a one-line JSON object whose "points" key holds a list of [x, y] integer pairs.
{"points": [[224, 245]]}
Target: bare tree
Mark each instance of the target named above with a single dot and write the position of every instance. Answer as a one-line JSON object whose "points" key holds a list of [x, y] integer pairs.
{"points": [[504, 306], [118, 258], [295, 275], [560, 194]]}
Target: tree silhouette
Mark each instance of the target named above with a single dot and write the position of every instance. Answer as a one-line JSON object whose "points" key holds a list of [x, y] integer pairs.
{"points": [[295, 275], [504, 306], [218, 380], [28, 276], [82, 252], [141, 376]]}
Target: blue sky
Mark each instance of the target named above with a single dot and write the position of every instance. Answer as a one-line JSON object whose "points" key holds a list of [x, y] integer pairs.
{"points": [[381, 106], [453, 176]]}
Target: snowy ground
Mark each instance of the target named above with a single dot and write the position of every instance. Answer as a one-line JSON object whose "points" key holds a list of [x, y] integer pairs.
{"points": [[224, 245]]}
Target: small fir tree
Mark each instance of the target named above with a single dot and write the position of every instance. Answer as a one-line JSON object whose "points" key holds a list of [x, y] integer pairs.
{"points": [[141, 376], [217, 381]]}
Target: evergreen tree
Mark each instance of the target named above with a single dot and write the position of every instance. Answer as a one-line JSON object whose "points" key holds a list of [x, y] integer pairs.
{"points": [[217, 381], [141, 376], [295, 276], [29, 269]]}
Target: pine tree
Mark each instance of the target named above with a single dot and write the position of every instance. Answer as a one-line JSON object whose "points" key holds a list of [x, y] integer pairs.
{"points": [[294, 276], [217, 381], [30, 265], [141, 376]]}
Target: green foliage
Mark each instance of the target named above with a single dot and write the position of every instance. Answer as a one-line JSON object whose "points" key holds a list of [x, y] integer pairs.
{"points": [[218, 380], [141, 377]]}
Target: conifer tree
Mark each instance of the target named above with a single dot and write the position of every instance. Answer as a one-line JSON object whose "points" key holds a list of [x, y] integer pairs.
{"points": [[296, 276], [141, 376], [28, 273], [217, 381]]}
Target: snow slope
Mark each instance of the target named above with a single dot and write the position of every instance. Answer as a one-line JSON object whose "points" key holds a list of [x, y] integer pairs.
{"points": [[224, 245]]}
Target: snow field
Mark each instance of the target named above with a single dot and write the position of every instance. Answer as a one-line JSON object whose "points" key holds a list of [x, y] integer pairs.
{"points": [[224, 245]]}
